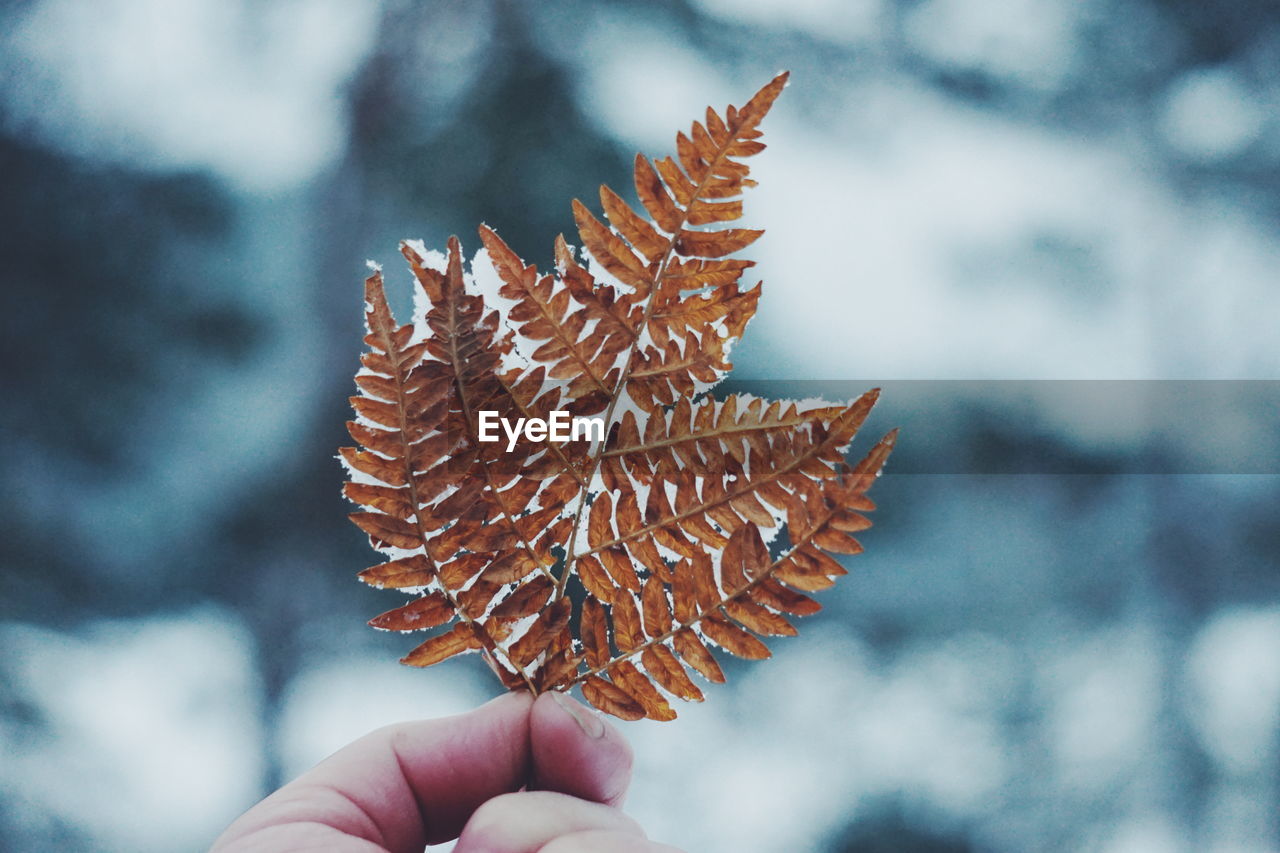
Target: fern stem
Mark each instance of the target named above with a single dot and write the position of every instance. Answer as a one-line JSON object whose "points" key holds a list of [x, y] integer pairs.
{"points": [[800, 419], [748, 487], [477, 629], [659, 276]]}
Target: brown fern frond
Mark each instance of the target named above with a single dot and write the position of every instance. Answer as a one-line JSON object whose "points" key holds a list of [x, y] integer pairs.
{"points": [[614, 561]]}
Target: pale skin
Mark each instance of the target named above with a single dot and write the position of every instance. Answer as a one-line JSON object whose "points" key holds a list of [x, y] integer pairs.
{"points": [[513, 776]]}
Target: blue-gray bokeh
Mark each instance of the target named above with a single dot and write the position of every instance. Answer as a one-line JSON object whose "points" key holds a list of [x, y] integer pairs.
{"points": [[1065, 633]]}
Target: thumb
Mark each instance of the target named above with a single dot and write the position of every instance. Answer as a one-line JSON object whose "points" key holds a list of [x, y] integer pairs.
{"points": [[576, 752]]}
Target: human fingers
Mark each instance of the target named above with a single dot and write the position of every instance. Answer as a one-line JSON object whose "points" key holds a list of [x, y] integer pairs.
{"points": [[402, 786], [576, 752], [525, 822], [605, 841]]}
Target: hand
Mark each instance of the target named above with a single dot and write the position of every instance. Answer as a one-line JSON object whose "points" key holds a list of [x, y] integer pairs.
{"points": [[408, 785]]}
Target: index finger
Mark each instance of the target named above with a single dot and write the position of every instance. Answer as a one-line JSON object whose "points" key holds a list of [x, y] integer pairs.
{"points": [[403, 786], [417, 783]]}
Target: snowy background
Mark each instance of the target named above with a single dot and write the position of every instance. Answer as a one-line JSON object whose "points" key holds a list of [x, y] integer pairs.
{"points": [[1065, 633]]}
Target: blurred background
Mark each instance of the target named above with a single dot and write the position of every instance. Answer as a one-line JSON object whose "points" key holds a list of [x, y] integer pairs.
{"points": [[1065, 633]]}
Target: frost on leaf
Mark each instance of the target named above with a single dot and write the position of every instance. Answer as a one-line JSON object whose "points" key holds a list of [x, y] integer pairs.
{"points": [[617, 562]]}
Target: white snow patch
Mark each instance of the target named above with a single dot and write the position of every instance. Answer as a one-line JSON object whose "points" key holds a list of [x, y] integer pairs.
{"points": [[839, 21], [251, 91], [1103, 700], [154, 717], [374, 692], [1030, 42], [1210, 114], [1234, 695]]}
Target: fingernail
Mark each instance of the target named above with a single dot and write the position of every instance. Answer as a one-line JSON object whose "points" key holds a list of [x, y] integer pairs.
{"points": [[587, 721]]}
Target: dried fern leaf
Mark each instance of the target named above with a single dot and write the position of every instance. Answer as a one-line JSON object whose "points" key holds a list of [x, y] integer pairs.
{"points": [[615, 561]]}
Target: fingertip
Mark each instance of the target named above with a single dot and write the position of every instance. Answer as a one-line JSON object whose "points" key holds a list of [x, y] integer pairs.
{"points": [[591, 723], [402, 785], [454, 764], [595, 841], [511, 702], [575, 751]]}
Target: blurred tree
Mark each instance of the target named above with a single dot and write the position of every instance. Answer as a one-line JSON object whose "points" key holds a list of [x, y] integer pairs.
{"points": [[113, 310]]}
